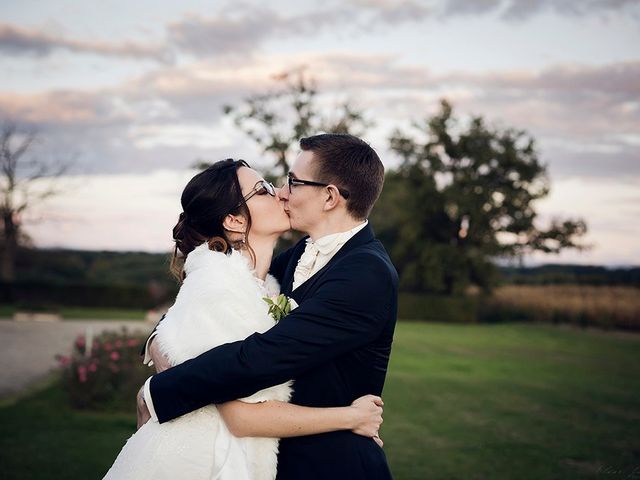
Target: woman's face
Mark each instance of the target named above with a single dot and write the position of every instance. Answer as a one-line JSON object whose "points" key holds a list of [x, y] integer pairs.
{"points": [[267, 212]]}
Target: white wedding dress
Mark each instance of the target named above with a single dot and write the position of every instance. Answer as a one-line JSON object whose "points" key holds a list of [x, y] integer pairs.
{"points": [[219, 302]]}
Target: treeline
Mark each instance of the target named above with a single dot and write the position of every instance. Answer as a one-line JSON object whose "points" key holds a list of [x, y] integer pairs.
{"points": [[571, 275], [66, 267], [53, 278], [142, 280], [63, 267]]}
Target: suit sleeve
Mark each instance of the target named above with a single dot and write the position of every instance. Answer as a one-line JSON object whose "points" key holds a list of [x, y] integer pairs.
{"points": [[144, 353], [349, 310]]}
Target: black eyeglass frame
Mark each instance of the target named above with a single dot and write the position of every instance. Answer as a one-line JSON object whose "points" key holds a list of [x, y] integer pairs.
{"points": [[291, 181]]}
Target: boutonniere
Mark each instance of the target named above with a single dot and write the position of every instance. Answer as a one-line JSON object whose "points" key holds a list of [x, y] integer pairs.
{"points": [[280, 306]]}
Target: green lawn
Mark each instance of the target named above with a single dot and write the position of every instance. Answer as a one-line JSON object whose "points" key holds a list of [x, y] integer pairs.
{"points": [[508, 401], [513, 401], [80, 313], [84, 313]]}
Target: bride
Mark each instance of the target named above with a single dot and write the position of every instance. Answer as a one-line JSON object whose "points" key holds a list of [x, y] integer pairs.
{"points": [[224, 242]]}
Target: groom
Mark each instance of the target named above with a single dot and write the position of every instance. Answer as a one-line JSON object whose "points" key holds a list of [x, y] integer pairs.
{"points": [[336, 343]]}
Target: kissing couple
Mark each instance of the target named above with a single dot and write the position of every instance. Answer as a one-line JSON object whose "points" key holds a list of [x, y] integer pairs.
{"points": [[272, 367]]}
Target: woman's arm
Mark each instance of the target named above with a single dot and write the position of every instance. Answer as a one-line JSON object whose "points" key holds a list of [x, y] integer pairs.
{"points": [[279, 419]]}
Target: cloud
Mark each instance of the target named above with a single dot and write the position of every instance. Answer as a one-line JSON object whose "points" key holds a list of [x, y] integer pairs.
{"points": [[16, 40], [393, 11], [616, 78], [242, 29], [582, 102], [237, 30], [224, 34], [470, 7], [584, 117], [525, 9]]}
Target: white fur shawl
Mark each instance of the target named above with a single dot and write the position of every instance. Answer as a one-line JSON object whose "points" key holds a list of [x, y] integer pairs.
{"points": [[220, 301]]}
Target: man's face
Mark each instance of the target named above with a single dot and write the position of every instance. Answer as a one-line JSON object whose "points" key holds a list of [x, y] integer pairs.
{"points": [[304, 203]]}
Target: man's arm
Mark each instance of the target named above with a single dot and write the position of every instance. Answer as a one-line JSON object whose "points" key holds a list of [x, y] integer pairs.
{"points": [[349, 311], [145, 352]]}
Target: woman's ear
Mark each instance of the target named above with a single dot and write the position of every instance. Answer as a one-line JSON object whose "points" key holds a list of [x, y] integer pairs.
{"points": [[235, 223], [332, 199]]}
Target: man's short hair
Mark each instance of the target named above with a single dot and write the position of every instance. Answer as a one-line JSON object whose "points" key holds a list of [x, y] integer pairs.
{"points": [[350, 164]]}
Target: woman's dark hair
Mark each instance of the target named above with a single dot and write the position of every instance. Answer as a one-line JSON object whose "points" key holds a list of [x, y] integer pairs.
{"points": [[206, 200]]}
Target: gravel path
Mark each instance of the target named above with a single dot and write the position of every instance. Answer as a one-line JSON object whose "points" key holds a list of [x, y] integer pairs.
{"points": [[28, 349]]}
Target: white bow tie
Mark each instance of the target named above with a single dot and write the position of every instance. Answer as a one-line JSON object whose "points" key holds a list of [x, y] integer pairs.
{"points": [[305, 264]]}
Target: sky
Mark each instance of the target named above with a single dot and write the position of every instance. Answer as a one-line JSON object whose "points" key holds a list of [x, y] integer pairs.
{"points": [[132, 93]]}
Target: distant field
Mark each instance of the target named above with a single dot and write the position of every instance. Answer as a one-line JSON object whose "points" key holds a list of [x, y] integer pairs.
{"points": [[603, 306], [503, 401], [607, 307]]}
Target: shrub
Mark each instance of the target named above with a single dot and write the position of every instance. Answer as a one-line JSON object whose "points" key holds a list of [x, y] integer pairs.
{"points": [[106, 374]]}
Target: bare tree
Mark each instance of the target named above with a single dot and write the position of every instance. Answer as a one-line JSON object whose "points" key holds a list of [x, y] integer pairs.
{"points": [[26, 180], [276, 120]]}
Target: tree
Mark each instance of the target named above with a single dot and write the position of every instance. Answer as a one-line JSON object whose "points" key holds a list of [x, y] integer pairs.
{"points": [[25, 181], [461, 198], [278, 119]]}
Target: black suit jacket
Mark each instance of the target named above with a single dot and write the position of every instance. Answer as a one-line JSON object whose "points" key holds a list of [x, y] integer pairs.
{"points": [[336, 345]]}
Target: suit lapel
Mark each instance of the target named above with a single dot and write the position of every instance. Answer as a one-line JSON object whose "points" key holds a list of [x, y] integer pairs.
{"points": [[363, 236], [287, 280]]}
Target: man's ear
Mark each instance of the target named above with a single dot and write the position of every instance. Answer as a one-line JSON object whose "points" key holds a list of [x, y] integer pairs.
{"points": [[332, 198], [235, 223]]}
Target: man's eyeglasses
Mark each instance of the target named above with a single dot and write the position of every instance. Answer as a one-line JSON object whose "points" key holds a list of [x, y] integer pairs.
{"points": [[261, 188], [291, 181]]}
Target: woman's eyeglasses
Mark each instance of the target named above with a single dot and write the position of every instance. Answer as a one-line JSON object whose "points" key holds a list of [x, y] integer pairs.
{"points": [[261, 188], [291, 181]]}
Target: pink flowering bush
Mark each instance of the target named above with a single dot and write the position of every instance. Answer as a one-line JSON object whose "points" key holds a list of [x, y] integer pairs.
{"points": [[106, 374]]}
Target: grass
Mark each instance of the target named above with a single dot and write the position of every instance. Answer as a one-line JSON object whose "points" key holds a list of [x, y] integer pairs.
{"points": [[7, 311], [42, 438], [83, 313], [505, 401], [512, 401], [80, 313]]}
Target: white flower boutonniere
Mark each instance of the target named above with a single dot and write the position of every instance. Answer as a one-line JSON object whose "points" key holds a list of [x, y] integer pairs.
{"points": [[280, 306]]}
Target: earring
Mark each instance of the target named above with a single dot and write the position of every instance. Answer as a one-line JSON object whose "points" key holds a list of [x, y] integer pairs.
{"points": [[240, 244]]}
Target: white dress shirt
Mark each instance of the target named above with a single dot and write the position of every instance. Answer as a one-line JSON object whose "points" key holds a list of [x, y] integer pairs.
{"points": [[319, 252]]}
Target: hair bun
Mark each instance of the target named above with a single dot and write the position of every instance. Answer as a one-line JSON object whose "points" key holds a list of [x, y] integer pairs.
{"points": [[178, 230], [218, 244]]}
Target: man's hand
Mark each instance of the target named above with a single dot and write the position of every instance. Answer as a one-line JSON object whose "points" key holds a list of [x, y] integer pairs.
{"points": [[159, 360], [143, 413]]}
